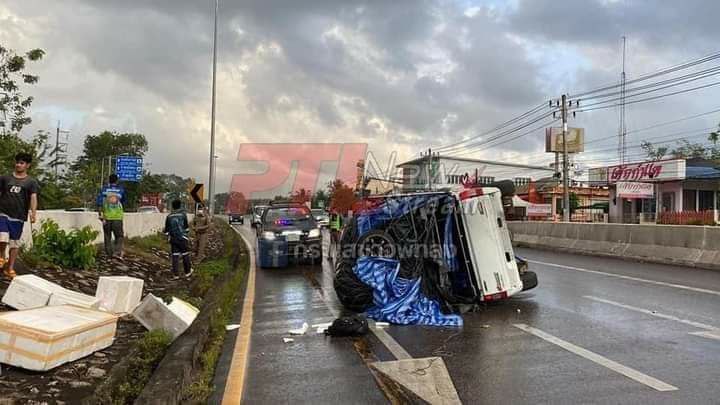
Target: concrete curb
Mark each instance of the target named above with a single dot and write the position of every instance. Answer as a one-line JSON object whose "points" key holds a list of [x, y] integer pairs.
{"points": [[691, 246], [182, 360]]}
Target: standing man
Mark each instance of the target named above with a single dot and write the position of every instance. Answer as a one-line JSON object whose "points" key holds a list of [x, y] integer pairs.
{"points": [[110, 209], [201, 224], [177, 228], [18, 195], [335, 227]]}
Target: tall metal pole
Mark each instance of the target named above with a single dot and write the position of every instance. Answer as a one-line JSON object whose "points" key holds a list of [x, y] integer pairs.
{"points": [[566, 168], [57, 150], [622, 146], [211, 182]]}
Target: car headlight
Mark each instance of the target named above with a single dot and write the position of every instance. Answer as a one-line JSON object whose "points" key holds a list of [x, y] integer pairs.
{"points": [[314, 233], [268, 235]]}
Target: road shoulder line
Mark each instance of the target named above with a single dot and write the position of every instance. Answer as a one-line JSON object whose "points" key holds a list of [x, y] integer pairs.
{"points": [[238, 365]]}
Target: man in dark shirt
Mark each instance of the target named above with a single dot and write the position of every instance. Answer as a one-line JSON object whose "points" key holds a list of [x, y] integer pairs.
{"points": [[177, 229], [18, 195]]}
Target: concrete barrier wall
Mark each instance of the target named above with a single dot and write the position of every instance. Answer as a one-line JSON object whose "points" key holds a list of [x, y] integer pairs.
{"points": [[697, 246], [135, 224]]}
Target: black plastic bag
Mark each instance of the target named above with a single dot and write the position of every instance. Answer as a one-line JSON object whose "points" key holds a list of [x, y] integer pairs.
{"points": [[348, 326]]}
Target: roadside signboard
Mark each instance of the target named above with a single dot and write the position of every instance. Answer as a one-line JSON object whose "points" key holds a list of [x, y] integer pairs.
{"points": [[537, 210], [197, 192], [575, 140], [129, 168], [635, 190], [661, 170]]}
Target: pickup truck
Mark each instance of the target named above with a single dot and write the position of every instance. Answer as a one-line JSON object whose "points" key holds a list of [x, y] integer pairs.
{"points": [[457, 241]]}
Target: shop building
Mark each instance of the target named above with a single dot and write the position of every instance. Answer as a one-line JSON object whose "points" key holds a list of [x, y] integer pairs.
{"points": [[664, 191]]}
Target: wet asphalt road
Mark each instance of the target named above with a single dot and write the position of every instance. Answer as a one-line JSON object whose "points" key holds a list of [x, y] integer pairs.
{"points": [[622, 317]]}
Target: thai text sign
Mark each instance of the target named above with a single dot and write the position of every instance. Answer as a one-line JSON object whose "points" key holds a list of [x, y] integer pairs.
{"points": [[539, 209], [635, 190], [664, 170]]}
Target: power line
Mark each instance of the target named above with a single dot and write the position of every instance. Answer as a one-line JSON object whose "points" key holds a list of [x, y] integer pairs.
{"points": [[647, 76], [490, 131]]}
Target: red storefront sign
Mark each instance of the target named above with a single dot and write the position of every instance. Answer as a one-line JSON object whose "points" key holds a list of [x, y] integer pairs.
{"points": [[665, 170]]}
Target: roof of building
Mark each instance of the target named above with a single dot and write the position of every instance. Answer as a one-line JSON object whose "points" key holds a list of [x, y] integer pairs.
{"points": [[487, 162], [701, 172]]}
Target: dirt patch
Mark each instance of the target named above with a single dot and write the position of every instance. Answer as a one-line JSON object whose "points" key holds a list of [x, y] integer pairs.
{"points": [[73, 382]]}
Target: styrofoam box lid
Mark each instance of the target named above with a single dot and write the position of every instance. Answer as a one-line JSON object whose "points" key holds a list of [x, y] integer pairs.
{"points": [[35, 281], [185, 311], [55, 322]]}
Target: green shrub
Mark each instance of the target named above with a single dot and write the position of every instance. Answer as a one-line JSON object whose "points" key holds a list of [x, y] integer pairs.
{"points": [[72, 249], [144, 358]]}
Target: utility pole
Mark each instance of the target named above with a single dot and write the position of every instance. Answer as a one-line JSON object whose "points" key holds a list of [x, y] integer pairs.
{"points": [[566, 171], [211, 182], [60, 150], [622, 132]]}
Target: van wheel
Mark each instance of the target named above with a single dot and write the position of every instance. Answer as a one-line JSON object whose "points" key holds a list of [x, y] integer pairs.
{"points": [[376, 244], [529, 280]]}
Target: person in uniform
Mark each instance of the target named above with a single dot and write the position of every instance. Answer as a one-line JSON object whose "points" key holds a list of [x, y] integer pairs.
{"points": [[201, 225]]}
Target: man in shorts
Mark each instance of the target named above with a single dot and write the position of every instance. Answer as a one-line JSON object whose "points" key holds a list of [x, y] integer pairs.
{"points": [[18, 196]]}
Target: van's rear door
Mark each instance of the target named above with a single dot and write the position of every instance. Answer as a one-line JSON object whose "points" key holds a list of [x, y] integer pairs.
{"points": [[489, 245]]}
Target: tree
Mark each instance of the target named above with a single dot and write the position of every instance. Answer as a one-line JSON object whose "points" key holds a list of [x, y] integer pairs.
{"points": [[342, 197], [652, 152], [13, 104], [574, 203], [320, 198]]}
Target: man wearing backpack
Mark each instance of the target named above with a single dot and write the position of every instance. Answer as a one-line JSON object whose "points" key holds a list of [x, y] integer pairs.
{"points": [[177, 229]]}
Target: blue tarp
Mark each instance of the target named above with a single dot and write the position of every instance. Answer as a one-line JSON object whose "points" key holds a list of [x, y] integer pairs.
{"points": [[398, 300], [391, 208]]}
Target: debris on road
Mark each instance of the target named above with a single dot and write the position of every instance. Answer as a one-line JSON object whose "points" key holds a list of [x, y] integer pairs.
{"points": [[288, 340], [382, 325], [354, 325], [300, 331], [321, 327], [43, 338], [232, 326], [119, 294], [175, 318]]}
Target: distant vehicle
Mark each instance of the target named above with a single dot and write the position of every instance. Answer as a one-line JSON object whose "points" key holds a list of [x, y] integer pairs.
{"points": [[257, 215], [236, 217], [78, 209], [148, 209], [321, 217], [288, 231]]}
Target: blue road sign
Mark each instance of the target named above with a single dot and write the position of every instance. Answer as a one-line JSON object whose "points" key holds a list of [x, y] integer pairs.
{"points": [[129, 168]]}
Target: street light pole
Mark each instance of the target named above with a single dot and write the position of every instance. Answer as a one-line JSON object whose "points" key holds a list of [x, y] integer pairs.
{"points": [[566, 168], [211, 182]]}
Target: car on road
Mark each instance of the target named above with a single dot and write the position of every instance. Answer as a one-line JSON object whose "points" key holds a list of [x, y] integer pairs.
{"points": [[257, 213], [148, 209], [287, 232], [321, 217], [236, 218]]}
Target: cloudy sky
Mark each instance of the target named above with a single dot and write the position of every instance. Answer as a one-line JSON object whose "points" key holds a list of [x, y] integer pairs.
{"points": [[401, 75]]}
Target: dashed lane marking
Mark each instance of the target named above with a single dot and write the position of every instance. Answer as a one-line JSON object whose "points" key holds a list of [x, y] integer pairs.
{"points": [[631, 373]]}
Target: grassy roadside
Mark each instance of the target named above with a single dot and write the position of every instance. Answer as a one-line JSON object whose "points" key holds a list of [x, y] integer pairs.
{"points": [[200, 390], [214, 288]]}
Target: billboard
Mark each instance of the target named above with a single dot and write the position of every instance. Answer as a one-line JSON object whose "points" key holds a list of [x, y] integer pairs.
{"points": [[575, 140], [633, 190], [129, 168], [661, 170]]}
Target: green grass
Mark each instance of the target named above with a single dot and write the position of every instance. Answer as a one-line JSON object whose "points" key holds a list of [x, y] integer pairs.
{"points": [[202, 388], [144, 357], [156, 241]]}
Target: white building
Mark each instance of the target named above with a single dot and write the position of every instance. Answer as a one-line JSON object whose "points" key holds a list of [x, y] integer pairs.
{"points": [[444, 172]]}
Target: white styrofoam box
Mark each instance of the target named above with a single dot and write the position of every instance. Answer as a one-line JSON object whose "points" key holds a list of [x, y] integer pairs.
{"points": [[28, 292], [43, 338], [119, 294], [175, 318], [63, 296]]}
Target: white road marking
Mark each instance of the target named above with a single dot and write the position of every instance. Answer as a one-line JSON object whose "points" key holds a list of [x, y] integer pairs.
{"points": [[642, 280], [631, 373], [652, 313], [714, 334]]}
